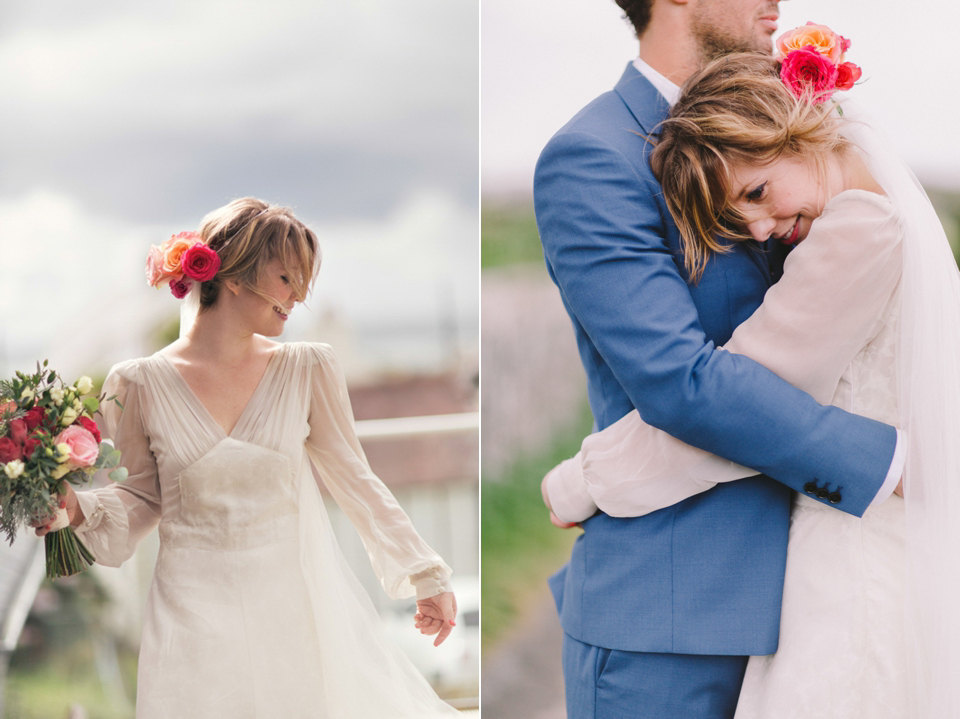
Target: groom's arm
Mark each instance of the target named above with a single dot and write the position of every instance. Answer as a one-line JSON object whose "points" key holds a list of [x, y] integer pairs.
{"points": [[603, 233]]}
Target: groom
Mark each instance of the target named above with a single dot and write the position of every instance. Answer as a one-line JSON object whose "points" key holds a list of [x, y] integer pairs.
{"points": [[660, 612]]}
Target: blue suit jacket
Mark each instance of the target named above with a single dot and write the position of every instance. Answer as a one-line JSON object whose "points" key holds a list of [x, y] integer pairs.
{"points": [[704, 576]]}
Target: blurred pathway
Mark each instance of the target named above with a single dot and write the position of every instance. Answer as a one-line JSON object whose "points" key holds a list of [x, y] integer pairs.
{"points": [[522, 677]]}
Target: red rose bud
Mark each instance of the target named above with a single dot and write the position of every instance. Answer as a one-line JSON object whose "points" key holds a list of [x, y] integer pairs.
{"points": [[180, 288], [29, 447], [9, 450], [18, 431], [200, 263], [91, 426], [34, 418], [847, 75]]}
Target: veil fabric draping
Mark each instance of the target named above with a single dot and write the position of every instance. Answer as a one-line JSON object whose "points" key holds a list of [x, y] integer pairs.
{"points": [[930, 417]]}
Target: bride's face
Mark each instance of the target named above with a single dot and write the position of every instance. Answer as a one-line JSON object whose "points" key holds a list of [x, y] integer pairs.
{"points": [[267, 316], [783, 198]]}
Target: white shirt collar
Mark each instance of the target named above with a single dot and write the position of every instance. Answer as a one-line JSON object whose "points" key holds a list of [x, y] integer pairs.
{"points": [[667, 88]]}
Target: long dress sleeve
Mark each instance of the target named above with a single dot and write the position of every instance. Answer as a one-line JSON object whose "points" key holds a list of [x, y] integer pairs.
{"points": [[118, 516], [826, 308], [402, 561]]}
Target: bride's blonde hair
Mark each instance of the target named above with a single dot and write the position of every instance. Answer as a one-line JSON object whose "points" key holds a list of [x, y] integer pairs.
{"points": [[247, 234], [736, 110]]}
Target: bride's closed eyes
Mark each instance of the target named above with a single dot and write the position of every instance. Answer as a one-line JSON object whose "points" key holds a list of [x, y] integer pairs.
{"points": [[756, 194]]}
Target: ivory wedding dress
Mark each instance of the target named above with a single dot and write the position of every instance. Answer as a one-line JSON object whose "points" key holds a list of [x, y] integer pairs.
{"points": [[253, 612]]}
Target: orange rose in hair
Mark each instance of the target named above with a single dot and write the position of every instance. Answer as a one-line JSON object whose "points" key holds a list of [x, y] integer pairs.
{"points": [[823, 40], [173, 250]]}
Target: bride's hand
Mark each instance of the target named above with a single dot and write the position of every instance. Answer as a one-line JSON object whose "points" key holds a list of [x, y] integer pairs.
{"points": [[436, 616], [68, 501], [554, 519]]}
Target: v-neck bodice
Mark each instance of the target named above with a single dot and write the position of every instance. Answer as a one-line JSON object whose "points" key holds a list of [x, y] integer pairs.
{"points": [[201, 409]]}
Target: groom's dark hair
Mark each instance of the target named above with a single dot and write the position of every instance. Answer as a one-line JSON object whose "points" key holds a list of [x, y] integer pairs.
{"points": [[637, 12]]}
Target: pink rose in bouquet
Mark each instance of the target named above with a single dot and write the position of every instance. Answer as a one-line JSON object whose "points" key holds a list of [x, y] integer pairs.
{"points": [[808, 73], [91, 426], [823, 40], [18, 431], [83, 447], [200, 263]]}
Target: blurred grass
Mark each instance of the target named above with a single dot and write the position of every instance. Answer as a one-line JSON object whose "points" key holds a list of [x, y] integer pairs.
{"points": [[48, 690], [508, 235], [519, 546]]}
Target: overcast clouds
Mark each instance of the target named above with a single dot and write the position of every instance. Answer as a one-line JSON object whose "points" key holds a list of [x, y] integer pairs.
{"points": [[543, 61], [123, 123]]}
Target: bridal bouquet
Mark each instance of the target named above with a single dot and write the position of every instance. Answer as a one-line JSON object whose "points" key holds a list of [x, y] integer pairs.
{"points": [[48, 437]]}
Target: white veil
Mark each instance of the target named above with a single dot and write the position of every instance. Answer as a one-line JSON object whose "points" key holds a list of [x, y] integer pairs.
{"points": [[189, 309], [930, 416]]}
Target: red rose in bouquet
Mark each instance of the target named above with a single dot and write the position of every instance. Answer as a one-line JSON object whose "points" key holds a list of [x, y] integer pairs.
{"points": [[91, 426], [9, 450]]}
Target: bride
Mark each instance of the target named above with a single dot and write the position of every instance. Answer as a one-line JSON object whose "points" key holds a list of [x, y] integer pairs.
{"points": [[252, 611], [865, 317]]}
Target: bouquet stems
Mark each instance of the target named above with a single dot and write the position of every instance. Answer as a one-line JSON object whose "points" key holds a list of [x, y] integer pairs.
{"points": [[66, 554]]}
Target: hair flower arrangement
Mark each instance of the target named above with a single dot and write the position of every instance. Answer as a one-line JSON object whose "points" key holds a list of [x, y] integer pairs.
{"points": [[181, 261], [812, 62]]}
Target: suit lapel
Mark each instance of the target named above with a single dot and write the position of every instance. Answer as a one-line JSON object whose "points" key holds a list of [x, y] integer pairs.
{"points": [[648, 106]]}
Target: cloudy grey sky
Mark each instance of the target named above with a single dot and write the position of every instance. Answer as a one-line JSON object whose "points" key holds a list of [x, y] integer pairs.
{"points": [[542, 61], [126, 122]]}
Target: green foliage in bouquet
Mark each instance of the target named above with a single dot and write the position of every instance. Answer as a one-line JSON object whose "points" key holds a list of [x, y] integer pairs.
{"points": [[48, 437]]}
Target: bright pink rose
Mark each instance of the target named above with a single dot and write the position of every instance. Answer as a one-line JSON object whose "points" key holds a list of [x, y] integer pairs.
{"points": [[180, 288], [809, 74], [9, 450], [18, 431], [34, 418], [847, 75], [91, 426], [200, 263], [84, 449]]}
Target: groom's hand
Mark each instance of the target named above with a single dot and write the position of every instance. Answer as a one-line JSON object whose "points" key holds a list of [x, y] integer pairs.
{"points": [[554, 519]]}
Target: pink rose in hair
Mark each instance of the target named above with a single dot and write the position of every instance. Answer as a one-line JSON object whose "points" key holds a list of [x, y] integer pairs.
{"points": [[847, 75], [809, 74], [83, 448], [180, 287], [154, 266], [200, 263]]}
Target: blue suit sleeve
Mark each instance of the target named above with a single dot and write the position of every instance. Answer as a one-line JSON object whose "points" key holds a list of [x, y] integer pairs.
{"points": [[604, 228]]}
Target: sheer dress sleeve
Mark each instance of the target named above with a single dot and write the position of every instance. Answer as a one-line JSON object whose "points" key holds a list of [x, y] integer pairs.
{"points": [[402, 561], [118, 516], [825, 309]]}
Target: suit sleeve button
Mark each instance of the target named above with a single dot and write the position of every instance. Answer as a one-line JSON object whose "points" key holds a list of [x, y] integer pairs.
{"points": [[810, 488], [835, 497], [823, 493]]}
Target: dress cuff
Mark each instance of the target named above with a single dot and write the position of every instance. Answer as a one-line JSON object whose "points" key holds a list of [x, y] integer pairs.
{"points": [[430, 582], [567, 490], [92, 510]]}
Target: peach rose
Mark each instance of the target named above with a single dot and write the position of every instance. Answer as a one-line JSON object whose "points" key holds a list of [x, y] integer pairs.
{"points": [[82, 446], [823, 39], [173, 250]]}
